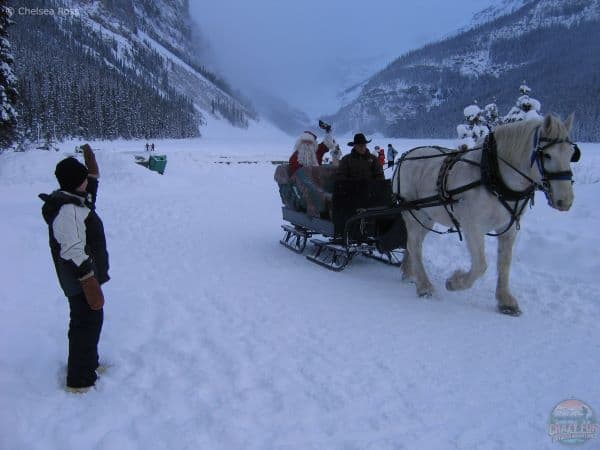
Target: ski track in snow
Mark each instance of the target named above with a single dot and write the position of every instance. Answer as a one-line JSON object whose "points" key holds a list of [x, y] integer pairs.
{"points": [[223, 339]]}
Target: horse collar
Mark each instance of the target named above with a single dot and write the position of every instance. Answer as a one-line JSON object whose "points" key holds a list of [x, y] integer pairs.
{"points": [[492, 177]]}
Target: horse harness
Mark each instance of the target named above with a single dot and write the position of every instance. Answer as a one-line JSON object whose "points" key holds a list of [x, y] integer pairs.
{"points": [[491, 179]]}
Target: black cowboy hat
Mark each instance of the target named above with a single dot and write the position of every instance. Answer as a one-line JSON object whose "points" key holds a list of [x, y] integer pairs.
{"points": [[359, 138]]}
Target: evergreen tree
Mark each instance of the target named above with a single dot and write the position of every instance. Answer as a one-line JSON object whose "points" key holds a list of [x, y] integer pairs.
{"points": [[8, 82], [492, 118], [472, 133], [527, 108]]}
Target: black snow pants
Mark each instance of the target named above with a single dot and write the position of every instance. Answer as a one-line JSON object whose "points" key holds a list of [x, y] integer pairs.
{"points": [[84, 334]]}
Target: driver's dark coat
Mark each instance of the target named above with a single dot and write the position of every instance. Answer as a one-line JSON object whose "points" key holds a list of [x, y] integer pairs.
{"points": [[355, 166]]}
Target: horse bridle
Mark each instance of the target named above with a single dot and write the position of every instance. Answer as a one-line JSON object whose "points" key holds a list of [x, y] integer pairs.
{"points": [[538, 156]]}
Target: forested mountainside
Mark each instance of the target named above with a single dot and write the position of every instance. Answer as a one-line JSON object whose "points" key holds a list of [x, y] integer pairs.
{"points": [[551, 44], [114, 68]]}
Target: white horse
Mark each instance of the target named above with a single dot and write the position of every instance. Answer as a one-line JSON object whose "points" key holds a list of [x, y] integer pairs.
{"points": [[530, 155]]}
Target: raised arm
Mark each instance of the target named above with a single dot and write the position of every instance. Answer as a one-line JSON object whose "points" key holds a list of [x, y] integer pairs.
{"points": [[93, 171]]}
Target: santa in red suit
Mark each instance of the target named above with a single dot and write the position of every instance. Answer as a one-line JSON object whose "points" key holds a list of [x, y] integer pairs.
{"points": [[305, 152]]}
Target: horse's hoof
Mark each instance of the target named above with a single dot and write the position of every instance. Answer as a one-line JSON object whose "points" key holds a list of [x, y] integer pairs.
{"points": [[457, 281], [453, 285], [426, 292], [514, 311]]}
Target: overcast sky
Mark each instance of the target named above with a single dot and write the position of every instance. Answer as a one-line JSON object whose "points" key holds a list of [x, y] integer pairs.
{"points": [[303, 51]]}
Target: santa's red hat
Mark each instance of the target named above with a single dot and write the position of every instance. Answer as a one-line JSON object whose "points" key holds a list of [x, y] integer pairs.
{"points": [[308, 136]]}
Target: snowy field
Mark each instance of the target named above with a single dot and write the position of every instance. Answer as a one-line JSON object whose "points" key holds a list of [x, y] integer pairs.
{"points": [[220, 338]]}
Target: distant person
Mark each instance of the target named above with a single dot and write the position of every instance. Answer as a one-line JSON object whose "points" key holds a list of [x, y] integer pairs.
{"points": [[78, 248], [360, 164], [152, 147], [336, 155], [305, 152], [391, 155], [147, 147], [381, 157]]}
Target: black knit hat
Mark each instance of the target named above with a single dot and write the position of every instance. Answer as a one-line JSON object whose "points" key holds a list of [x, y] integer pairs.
{"points": [[70, 173], [359, 138]]}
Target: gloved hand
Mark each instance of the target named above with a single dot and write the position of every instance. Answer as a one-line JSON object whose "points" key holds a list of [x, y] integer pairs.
{"points": [[93, 293], [324, 126], [90, 160]]}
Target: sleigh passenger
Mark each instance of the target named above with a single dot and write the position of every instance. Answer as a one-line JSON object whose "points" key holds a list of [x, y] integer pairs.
{"points": [[328, 144], [305, 152]]}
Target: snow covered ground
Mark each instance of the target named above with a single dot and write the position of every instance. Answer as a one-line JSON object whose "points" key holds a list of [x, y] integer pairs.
{"points": [[223, 339]]}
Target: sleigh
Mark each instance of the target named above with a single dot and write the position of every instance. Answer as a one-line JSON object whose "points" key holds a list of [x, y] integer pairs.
{"points": [[339, 219]]}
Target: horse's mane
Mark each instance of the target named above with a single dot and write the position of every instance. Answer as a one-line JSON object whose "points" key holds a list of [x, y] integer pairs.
{"points": [[515, 140]]}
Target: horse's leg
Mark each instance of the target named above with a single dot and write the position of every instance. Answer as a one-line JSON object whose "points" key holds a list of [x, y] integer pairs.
{"points": [[476, 245], [507, 304], [416, 236], [405, 267]]}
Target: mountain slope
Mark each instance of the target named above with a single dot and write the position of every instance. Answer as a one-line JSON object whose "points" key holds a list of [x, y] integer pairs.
{"points": [[552, 44], [142, 50]]}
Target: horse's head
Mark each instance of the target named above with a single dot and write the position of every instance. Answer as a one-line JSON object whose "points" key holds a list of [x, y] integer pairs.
{"points": [[553, 156]]}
